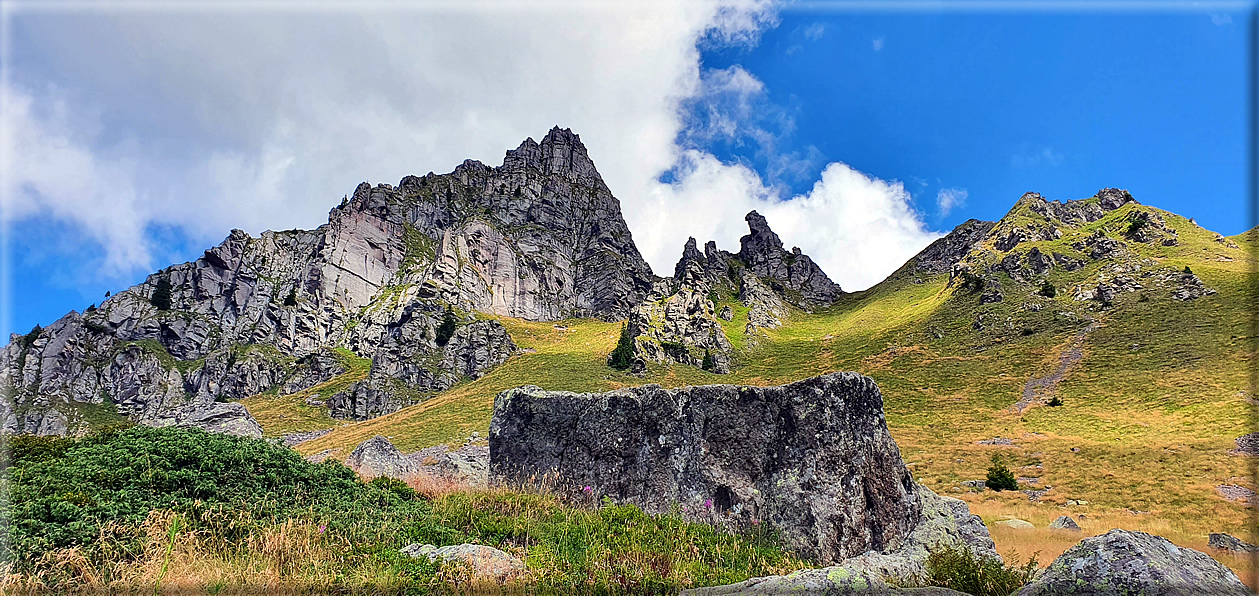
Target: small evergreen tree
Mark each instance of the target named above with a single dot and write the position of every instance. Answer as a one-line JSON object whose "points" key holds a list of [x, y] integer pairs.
{"points": [[1188, 270], [291, 299], [447, 328], [708, 361], [1048, 290], [623, 355], [161, 294], [1000, 477]]}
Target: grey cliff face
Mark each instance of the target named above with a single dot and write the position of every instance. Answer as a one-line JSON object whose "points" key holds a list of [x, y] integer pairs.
{"points": [[540, 237], [789, 272], [813, 458]]}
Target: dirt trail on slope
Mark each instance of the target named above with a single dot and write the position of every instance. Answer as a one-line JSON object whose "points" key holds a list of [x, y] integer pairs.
{"points": [[1042, 389]]}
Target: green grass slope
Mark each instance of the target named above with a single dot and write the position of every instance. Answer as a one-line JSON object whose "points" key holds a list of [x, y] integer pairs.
{"points": [[1149, 411]]}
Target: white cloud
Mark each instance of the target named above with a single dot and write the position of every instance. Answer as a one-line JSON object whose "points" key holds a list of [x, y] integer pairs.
{"points": [[814, 32], [950, 198], [1026, 157], [857, 227], [257, 120], [877, 44], [1221, 19]]}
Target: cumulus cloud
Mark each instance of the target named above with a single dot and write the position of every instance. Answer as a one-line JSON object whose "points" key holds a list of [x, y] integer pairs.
{"points": [[877, 44], [857, 227], [1026, 157], [948, 199], [203, 122]]}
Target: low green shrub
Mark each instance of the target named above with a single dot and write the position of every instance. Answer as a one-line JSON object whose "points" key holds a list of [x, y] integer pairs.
{"points": [[959, 569], [622, 355], [1000, 477]]}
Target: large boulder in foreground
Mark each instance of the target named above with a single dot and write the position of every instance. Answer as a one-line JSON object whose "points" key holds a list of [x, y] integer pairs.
{"points": [[1124, 562], [813, 458]]}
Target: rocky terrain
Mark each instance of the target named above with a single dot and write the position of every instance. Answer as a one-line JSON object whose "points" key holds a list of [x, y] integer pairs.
{"points": [[1104, 343], [540, 237], [679, 321]]}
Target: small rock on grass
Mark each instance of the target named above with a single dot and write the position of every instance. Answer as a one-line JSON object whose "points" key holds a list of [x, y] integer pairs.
{"points": [[1064, 523], [486, 561], [1224, 541], [1015, 523]]}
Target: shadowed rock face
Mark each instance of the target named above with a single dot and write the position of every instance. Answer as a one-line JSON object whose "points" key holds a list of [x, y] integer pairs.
{"points": [[540, 237], [1124, 562], [813, 458]]}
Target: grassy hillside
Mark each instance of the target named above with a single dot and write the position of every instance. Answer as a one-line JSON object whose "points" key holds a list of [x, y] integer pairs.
{"points": [[1149, 411]]}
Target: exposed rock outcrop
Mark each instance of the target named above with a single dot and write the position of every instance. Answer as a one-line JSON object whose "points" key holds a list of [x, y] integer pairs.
{"points": [[941, 255], [539, 237], [1124, 562], [792, 273], [812, 459], [378, 457]]}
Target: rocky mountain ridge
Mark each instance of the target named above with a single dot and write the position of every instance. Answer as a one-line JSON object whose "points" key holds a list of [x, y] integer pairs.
{"points": [[540, 237], [379, 303]]}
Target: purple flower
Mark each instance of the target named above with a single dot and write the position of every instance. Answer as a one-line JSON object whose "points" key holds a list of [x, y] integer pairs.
{"points": [[708, 503], [322, 527], [588, 490]]}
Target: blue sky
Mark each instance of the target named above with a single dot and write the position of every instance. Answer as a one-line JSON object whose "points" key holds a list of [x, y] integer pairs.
{"points": [[138, 140]]}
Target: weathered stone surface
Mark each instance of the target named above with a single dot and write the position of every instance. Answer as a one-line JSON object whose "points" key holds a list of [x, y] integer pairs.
{"points": [[791, 273], [231, 419], [1230, 543], [945, 523], [813, 458], [1124, 562], [293, 439], [485, 561], [378, 457], [469, 464], [765, 309], [1016, 524], [726, 313], [1064, 522]]}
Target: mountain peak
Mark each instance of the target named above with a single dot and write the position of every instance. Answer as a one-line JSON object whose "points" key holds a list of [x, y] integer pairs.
{"points": [[561, 152]]}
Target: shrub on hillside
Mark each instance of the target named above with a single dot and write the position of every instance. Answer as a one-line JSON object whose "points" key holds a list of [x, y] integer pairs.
{"points": [[291, 299], [1048, 290], [66, 492], [1000, 477], [161, 294], [959, 569], [708, 361], [447, 327], [622, 355]]}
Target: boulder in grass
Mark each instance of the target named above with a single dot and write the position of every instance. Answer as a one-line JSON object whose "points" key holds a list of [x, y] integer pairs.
{"points": [[1226, 542], [378, 457], [812, 459], [485, 561], [1064, 523], [1125, 562]]}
